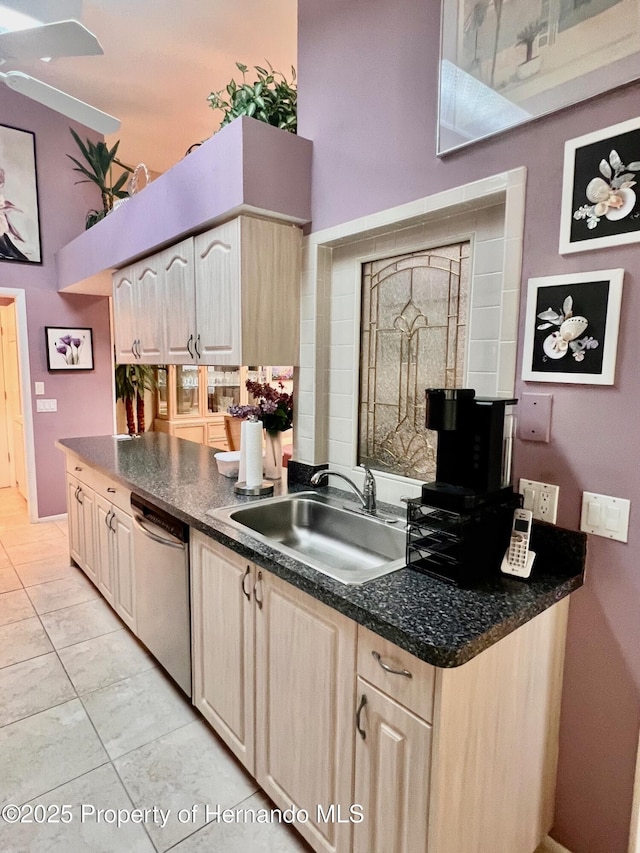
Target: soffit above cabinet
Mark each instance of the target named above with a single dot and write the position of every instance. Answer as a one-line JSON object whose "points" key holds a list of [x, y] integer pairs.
{"points": [[246, 167]]}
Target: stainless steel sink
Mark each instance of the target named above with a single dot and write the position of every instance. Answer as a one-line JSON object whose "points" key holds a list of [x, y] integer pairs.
{"points": [[320, 532]]}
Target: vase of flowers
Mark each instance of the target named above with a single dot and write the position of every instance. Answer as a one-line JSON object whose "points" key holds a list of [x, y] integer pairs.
{"points": [[274, 407]]}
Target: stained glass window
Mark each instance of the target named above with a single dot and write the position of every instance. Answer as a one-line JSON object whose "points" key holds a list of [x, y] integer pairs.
{"points": [[413, 336]]}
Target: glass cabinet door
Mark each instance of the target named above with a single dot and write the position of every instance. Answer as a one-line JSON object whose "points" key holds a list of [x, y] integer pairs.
{"points": [[223, 388], [162, 403], [187, 390]]}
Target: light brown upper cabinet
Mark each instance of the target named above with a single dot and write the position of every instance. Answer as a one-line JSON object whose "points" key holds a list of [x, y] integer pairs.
{"points": [[227, 296]]}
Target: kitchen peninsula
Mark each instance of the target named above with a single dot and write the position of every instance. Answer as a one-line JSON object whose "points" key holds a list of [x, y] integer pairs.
{"points": [[440, 703]]}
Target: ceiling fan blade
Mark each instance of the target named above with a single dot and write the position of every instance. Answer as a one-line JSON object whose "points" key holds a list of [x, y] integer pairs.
{"points": [[61, 102], [63, 38]]}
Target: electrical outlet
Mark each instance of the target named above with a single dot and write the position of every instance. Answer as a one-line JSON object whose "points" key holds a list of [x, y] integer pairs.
{"points": [[541, 499]]}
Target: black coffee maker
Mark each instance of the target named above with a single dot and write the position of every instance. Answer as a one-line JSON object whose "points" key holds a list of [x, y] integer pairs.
{"points": [[459, 529]]}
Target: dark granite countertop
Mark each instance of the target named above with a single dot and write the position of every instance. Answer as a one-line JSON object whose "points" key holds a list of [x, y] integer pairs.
{"points": [[439, 623]]}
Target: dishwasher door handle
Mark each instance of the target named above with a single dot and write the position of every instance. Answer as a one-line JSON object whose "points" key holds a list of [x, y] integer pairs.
{"points": [[171, 543]]}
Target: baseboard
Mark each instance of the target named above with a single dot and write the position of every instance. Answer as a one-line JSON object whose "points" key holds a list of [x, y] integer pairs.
{"points": [[551, 846], [48, 518]]}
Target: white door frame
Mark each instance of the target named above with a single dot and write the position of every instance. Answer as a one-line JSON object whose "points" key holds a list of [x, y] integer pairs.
{"points": [[20, 303]]}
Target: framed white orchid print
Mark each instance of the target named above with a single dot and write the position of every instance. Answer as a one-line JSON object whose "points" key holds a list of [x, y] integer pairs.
{"points": [[601, 192], [69, 348], [19, 216], [571, 328]]}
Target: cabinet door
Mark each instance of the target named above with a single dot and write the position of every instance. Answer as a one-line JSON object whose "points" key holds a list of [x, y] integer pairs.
{"points": [[86, 498], [150, 319], [124, 316], [305, 663], [392, 775], [223, 643], [123, 567], [217, 269], [73, 512], [103, 543], [179, 298]]}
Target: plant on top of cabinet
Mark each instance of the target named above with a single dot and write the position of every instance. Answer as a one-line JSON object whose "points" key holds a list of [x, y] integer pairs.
{"points": [[99, 170], [269, 99], [132, 380]]}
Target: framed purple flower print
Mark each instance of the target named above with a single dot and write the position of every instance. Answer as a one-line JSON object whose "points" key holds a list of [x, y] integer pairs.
{"points": [[69, 348], [19, 216]]}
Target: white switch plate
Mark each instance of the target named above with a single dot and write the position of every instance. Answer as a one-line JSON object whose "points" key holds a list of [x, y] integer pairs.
{"points": [[46, 405], [605, 516], [39, 387], [541, 499]]}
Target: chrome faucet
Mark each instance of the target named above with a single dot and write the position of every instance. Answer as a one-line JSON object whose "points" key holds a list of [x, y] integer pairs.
{"points": [[368, 494]]}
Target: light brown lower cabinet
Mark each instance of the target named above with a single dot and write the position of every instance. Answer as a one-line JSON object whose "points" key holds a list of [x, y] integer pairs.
{"points": [[80, 511], [382, 752], [253, 631], [393, 752], [101, 536]]}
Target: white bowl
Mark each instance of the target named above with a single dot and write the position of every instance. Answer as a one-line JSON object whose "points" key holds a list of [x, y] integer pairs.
{"points": [[228, 462]]}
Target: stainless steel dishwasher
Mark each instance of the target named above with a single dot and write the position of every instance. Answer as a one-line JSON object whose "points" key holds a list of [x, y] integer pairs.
{"points": [[161, 549]]}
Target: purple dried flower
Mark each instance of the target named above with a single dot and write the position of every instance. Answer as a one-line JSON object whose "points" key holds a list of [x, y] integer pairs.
{"points": [[76, 342], [273, 407], [66, 339], [61, 348]]}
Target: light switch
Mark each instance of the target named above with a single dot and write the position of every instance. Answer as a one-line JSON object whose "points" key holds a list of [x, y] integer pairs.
{"points": [[605, 516], [46, 405], [39, 387]]}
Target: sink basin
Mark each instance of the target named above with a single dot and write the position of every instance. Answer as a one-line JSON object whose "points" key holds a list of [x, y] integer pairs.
{"points": [[318, 531]]}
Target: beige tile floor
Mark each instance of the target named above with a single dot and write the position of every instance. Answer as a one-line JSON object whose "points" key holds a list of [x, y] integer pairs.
{"points": [[88, 721]]}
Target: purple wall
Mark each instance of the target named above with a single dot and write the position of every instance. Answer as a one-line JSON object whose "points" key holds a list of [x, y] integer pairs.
{"points": [[84, 399], [368, 73]]}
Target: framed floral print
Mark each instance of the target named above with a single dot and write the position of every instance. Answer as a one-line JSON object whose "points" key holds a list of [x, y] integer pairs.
{"points": [[69, 349], [571, 328], [19, 215], [600, 201]]}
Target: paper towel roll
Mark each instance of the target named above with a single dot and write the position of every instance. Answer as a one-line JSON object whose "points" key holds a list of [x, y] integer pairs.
{"points": [[242, 470], [253, 453]]}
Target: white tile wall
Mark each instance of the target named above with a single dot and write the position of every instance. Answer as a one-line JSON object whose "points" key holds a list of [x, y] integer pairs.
{"points": [[486, 212]]}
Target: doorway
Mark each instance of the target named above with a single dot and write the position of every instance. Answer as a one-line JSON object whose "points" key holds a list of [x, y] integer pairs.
{"points": [[17, 456], [12, 456]]}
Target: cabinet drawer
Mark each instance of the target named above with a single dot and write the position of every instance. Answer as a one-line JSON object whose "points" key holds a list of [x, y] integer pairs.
{"points": [[416, 692], [81, 471], [216, 432], [110, 490]]}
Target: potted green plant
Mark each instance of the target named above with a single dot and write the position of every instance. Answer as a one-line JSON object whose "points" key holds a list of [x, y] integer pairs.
{"points": [[132, 380], [270, 98], [100, 160]]}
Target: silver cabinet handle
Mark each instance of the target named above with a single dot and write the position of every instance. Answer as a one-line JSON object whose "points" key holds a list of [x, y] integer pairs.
{"points": [[138, 353], [111, 490], [75, 494], [259, 601], [79, 495], [195, 345], [189, 350], [113, 518], [106, 520], [133, 349], [390, 669], [361, 731], [242, 584], [78, 468], [138, 521]]}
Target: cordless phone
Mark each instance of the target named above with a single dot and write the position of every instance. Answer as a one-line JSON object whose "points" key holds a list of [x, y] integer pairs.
{"points": [[519, 559]]}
